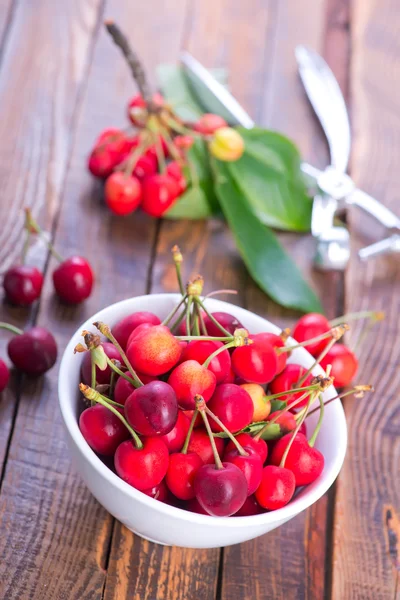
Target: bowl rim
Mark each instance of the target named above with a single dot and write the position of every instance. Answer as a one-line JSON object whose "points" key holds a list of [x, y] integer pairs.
{"points": [[305, 499]]}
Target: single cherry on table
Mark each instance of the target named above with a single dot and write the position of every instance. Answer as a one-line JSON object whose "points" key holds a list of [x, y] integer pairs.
{"points": [[22, 284]]}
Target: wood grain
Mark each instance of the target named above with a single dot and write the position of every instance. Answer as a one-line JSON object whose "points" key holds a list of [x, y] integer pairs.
{"points": [[369, 482]]}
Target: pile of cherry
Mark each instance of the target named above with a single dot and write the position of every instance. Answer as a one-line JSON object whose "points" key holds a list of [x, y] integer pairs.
{"points": [[34, 351], [182, 407]]}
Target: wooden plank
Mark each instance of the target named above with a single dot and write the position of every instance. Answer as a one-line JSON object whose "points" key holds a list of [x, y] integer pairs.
{"points": [[368, 496]]}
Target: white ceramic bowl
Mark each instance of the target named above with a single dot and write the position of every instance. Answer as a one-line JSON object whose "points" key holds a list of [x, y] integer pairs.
{"points": [[166, 524]]}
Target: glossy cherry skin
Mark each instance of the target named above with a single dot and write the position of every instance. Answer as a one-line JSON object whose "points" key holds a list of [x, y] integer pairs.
{"points": [[139, 329], [145, 166], [123, 389], [22, 284], [181, 472], [174, 170], [159, 492], [111, 148], [123, 193], [102, 429], [245, 439], [285, 419], [256, 363], [175, 438], [194, 505], [200, 350], [305, 462], [276, 488], [152, 409], [4, 375], [123, 329], [276, 342], [310, 326], [145, 467], [208, 123], [200, 443], [73, 280], [249, 508], [221, 492], [229, 322], [189, 379], [251, 466], [232, 405], [154, 351], [261, 404], [102, 377], [34, 352], [159, 192], [344, 364], [288, 380]]}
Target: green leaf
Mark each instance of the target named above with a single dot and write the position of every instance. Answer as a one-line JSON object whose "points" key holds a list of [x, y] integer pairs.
{"points": [[193, 204], [175, 88], [271, 432], [269, 175], [266, 260], [277, 405]]}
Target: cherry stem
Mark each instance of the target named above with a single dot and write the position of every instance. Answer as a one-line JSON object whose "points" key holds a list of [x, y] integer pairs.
{"points": [[132, 59], [93, 374], [118, 371], [296, 431], [11, 328], [30, 223], [25, 247], [318, 338], [207, 362], [174, 311], [209, 315], [189, 338], [317, 361], [178, 321], [291, 405], [203, 327], [112, 383], [160, 153], [91, 394], [188, 309], [217, 459], [178, 259], [189, 433], [358, 390], [129, 164], [230, 435], [170, 144], [293, 391], [374, 315], [313, 438], [194, 178], [196, 328], [105, 330], [218, 292]]}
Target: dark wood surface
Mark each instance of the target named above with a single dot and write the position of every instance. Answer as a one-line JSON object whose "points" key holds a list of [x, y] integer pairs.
{"points": [[61, 82]]}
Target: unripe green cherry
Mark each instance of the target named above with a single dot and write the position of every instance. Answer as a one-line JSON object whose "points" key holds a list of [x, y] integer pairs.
{"points": [[227, 144]]}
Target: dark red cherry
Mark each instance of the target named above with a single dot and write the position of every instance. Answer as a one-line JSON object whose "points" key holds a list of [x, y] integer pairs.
{"points": [[249, 508], [159, 492], [245, 439], [250, 465], [22, 284], [175, 438], [4, 375], [102, 429], [73, 280], [123, 329], [102, 377], [143, 468], [200, 443], [152, 409], [33, 352], [123, 389], [221, 492], [232, 405], [229, 322]]}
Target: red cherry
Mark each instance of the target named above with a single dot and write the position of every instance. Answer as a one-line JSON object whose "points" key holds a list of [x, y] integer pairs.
{"points": [[288, 380], [152, 409], [137, 331], [285, 419], [110, 149], [200, 350], [305, 462], [276, 342], [73, 280], [232, 405], [152, 151], [251, 466], [310, 326], [33, 352], [142, 468], [209, 123], [229, 322], [181, 472], [190, 378], [245, 439], [145, 166], [123, 329], [159, 193], [194, 506], [257, 362], [123, 193], [159, 492], [174, 170], [184, 142], [122, 390], [230, 376], [154, 351], [137, 112], [22, 284], [344, 364], [201, 445], [303, 429], [4, 375], [175, 438], [102, 377], [249, 508], [102, 429], [221, 492], [276, 488], [198, 421]]}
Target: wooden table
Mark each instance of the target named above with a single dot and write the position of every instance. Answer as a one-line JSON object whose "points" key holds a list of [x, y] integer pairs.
{"points": [[61, 82]]}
